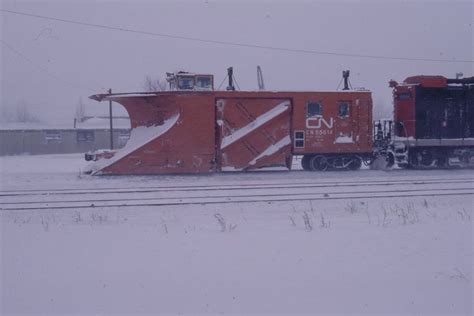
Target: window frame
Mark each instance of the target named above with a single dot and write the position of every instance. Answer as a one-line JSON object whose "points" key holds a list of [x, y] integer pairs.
{"points": [[208, 77], [53, 136], [86, 138], [299, 139], [191, 78], [348, 104], [403, 96], [124, 134], [321, 109]]}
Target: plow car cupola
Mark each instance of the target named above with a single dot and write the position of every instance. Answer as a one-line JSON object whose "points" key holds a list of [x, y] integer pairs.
{"points": [[185, 81]]}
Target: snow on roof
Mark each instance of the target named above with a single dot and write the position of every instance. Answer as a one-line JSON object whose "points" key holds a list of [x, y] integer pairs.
{"points": [[114, 96], [91, 123], [103, 122]]}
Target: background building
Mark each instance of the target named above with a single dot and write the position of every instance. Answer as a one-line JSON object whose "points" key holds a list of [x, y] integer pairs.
{"points": [[36, 138]]}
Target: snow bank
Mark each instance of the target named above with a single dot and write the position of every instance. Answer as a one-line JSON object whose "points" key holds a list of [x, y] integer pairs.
{"points": [[259, 121], [231, 169], [139, 137], [257, 259]]}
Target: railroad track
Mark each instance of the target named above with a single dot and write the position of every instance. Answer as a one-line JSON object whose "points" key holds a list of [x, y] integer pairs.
{"points": [[230, 187], [275, 194]]}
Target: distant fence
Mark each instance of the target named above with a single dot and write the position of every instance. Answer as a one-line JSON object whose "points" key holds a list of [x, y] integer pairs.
{"points": [[59, 141]]}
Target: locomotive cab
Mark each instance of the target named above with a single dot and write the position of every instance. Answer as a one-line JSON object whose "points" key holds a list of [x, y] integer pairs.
{"points": [[185, 81]]}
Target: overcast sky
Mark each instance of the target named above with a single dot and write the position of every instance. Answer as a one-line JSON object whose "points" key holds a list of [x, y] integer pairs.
{"points": [[51, 65]]}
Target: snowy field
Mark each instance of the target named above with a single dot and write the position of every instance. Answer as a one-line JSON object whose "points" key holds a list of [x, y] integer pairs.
{"points": [[341, 243]]}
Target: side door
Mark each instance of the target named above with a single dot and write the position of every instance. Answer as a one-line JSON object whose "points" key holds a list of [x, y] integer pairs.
{"points": [[364, 124], [252, 133], [344, 127]]}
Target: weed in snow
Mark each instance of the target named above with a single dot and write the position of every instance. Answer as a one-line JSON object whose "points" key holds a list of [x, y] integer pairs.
{"points": [[465, 215], [45, 223], [223, 225], [425, 203], [242, 214], [458, 274], [368, 217], [99, 218], [20, 221], [385, 218], [352, 207], [307, 222], [309, 219], [189, 228], [77, 217], [431, 214], [311, 207], [408, 214], [293, 223], [165, 227], [405, 215], [324, 223], [220, 221]]}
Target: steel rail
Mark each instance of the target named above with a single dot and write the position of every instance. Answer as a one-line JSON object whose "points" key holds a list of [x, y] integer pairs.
{"points": [[217, 196], [255, 198], [218, 187]]}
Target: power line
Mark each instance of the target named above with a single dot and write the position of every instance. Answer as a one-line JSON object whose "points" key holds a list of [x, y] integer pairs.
{"points": [[228, 43], [43, 69]]}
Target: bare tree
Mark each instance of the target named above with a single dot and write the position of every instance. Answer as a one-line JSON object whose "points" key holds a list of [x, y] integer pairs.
{"points": [[23, 113], [381, 110], [154, 85], [6, 114], [80, 111]]}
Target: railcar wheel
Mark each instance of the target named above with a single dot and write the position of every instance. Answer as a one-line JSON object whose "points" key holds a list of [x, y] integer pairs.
{"points": [[355, 163], [390, 160], [319, 163], [442, 161], [413, 160], [305, 162], [427, 159]]}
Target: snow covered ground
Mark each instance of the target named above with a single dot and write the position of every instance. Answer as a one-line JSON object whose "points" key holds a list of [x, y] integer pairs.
{"points": [[316, 255]]}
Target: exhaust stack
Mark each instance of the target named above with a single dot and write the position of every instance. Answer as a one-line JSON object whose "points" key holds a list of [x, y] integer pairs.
{"points": [[230, 75]]}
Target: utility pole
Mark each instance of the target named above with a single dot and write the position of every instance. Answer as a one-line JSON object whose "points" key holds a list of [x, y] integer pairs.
{"points": [[111, 124]]}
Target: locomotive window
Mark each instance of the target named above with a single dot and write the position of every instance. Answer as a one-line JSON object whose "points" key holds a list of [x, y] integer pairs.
{"points": [[404, 96], [344, 109], [314, 109], [299, 139], [185, 83], [204, 83]]}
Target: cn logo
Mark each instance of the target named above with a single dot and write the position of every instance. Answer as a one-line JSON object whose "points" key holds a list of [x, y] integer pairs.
{"points": [[318, 122]]}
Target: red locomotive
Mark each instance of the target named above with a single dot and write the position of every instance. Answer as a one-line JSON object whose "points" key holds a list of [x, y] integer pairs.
{"points": [[195, 129], [433, 122]]}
